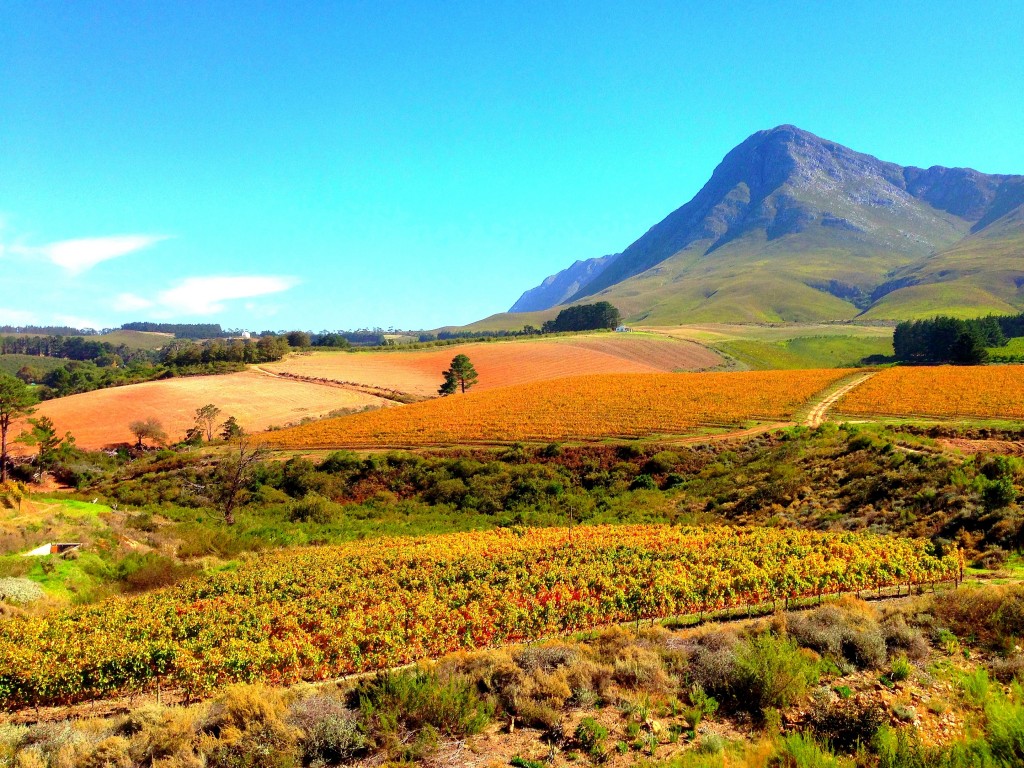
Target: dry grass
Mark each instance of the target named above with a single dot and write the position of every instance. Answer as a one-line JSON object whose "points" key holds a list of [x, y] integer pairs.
{"points": [[258, 401], [584, 407], [505, 363]]}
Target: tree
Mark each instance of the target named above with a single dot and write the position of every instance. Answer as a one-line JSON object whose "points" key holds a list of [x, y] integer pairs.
{"points": [[206, 418], [42, 435], [147, 429], [298, 339], [16, 400], [231, 429], [460, 376], [584, 317], [969, 349], [233, 475]]}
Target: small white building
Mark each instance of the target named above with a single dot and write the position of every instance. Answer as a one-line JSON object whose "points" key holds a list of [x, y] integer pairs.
{"points": [[55, 548], [623, 329]]}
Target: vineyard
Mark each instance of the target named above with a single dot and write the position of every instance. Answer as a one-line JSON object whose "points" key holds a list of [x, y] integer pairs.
{"points": [[324, 612], [504, 363], [995, 391], [612, 405]]}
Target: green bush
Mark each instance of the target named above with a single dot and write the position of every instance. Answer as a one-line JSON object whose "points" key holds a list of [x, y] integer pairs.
{"points": [[900, 670], [798, 750], [415, 700], [591, 736], [772, 672], [1004, 727], [313, 508]]}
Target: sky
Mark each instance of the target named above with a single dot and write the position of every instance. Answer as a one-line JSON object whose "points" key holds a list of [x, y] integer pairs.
{"points": [[337, 165]]}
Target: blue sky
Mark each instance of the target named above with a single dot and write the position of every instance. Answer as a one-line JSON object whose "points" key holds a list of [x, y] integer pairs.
{"points": [[347, 164]]}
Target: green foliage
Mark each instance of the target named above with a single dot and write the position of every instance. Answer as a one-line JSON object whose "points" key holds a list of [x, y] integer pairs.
{"points": [[772, 672], [416, 700], [313, 508], [459, 377], [798, 750], [584, 317], [591, 736]]}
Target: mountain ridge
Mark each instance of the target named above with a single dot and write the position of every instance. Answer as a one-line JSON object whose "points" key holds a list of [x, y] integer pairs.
{"points": [[794, 227]]}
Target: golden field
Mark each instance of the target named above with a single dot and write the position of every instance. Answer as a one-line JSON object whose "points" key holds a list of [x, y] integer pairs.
{"points": [[584, 407], [945, 391]]}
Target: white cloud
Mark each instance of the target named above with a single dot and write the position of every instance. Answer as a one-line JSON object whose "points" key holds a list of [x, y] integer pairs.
{"points": [[129, 302], [85, 253], [17, 317], [204, 295]]}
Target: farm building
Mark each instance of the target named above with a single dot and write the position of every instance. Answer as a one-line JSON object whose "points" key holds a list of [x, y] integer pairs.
{"points": [[55, 548]]}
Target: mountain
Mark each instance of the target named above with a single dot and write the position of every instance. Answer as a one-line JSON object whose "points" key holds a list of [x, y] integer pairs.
{"points": [[562, 286], [792, 227]]}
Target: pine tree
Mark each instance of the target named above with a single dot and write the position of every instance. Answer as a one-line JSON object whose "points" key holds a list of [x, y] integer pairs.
{"points": [[459, 377]]}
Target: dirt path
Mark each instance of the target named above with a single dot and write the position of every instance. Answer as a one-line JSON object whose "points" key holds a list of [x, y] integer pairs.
{"points": [[394, 395], [818, 413]]}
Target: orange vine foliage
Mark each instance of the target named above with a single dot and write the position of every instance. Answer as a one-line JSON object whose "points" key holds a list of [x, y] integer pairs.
{"points": [[946, 391], [322, 612], [609, 405]]}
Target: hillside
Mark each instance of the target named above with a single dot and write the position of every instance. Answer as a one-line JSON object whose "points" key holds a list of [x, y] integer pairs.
{"points": [[505, 363], [792, 227], [258, 401]]}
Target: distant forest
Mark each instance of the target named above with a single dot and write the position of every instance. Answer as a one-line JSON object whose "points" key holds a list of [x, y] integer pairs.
{"points": [[952, 340]]}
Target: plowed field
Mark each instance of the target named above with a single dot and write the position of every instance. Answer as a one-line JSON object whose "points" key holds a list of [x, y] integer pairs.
{"points": [[505, 363], [100, 418]]}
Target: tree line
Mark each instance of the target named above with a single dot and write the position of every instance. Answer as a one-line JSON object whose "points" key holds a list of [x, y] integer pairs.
{"points": [[953, 340]]}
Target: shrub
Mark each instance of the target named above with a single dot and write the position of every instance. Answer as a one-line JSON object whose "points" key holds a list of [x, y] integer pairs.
{"points": [[846, 724], [419, 700], [17, 590], [591, 736], [900, 670], [248, 721], [330, 732], [158, 733], [139, 573], [712, 663], [975, 686], [312, 508], [772, 672], [111, 752], [1008, 669], [1005, 728], [800, 751], [840, 634], [640, 668], [899, 637]]}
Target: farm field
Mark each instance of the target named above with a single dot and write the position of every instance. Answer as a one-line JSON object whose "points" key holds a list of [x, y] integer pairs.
{"points": [[256, 400], [791, 346], [504, 363], [609, 405], [322, 612], [990, 392]]}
